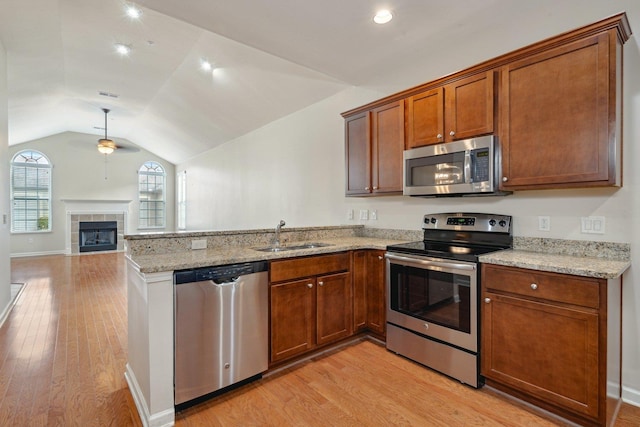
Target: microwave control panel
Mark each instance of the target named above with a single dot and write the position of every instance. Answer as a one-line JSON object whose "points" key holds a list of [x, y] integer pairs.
{"points": [[480, 159]]}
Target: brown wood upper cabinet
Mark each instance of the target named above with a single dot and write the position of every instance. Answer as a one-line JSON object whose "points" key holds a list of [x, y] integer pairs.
{"points": [[555, 107], [560, 115], [461, 109], [374, 143]]}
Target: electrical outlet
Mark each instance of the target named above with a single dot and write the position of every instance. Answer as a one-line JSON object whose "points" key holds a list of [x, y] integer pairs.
{"points": [[350, 214], [364, 214], [544, 223], [374, 215], [199, 244], [592, 224]]}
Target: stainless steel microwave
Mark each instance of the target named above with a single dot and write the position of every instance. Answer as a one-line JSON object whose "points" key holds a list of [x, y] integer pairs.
{"points": [[467, 167]]}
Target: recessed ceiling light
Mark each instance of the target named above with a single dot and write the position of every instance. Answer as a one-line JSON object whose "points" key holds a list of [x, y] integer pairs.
{"points": [[122, 49], [205, 65], [383, 16], [133, 12]]}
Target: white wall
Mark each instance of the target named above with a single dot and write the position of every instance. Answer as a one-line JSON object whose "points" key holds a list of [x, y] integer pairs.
{"points": [[293, 168], [79, 173], [5, 272]]}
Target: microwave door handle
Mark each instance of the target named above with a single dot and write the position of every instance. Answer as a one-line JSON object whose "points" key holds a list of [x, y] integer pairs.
{"points": [[467, 167], [428, 262]]}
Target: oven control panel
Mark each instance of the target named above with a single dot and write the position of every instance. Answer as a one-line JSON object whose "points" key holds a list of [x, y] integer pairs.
{"points": [[468, 221]]}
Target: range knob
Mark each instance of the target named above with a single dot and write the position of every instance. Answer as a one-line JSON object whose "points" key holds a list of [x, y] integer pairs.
{"points": [[492, 222], [502, 223], [433, 220]]}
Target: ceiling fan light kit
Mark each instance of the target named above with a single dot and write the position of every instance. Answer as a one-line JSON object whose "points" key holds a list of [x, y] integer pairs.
{"points": [[106, 146]]}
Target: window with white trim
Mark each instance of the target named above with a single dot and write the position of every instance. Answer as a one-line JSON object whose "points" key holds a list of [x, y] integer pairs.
{"points": [[151, 194], [30, 192], [181, 198]]}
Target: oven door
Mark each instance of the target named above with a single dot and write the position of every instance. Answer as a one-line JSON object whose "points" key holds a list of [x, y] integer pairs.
{"points": [[434, 297]]}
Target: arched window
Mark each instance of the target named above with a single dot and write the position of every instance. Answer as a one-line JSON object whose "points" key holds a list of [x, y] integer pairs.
{"points": [[30, 192], [151, 179]]}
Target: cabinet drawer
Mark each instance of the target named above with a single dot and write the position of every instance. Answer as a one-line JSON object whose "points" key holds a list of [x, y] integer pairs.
{"points": [[555, 287], [309, 266]]}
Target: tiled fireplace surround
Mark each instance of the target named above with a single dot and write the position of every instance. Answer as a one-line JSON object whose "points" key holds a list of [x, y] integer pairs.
{"points": [[94, 210]]}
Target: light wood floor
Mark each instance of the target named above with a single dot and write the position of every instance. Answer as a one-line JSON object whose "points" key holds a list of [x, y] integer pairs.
{"points": [[63, 352]]}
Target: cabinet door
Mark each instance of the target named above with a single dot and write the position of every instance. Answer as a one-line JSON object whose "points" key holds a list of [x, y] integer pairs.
{"points": [[358, 154], [387, 142], [425, 118], [334, 307], [557, 112], [469, 107], [359, 277], [376, 295], [292, 318], [546, 351]]}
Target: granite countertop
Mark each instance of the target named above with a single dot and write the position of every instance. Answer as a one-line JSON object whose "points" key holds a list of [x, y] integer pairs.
{"points": [[231, 255], [588, 266]]}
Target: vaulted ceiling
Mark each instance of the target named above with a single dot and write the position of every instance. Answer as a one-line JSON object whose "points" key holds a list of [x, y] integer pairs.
{"points": [[271, 58]]}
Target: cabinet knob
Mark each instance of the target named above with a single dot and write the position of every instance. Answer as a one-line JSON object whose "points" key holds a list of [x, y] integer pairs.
{"points": [[366, 188], [426, 326], [380, 257], [320, 283], [309, 285], [452, 133], [487, 300], [375, 187], [505, 179], [439, 136], [534, 286]]}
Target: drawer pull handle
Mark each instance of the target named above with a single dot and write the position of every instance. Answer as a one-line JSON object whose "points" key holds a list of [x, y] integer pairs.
{"points": [[534, 286], [487, 300]]}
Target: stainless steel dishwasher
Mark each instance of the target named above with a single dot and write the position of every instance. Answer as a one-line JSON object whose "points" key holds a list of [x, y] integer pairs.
{"points": [[221, 329]]}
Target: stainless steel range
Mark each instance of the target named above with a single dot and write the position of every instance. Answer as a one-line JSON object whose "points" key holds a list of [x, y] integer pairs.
{"points": [[433, 289]]}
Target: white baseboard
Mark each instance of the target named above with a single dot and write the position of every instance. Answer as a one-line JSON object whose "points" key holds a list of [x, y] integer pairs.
{"points": [[160, 419], [5, 313], [28, 254], [631, 396]]}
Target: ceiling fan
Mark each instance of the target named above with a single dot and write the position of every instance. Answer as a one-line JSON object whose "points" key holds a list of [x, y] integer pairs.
{"points": [[106, 145]]}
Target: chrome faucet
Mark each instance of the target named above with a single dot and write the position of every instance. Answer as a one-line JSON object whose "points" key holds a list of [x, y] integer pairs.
{"points": [[276, 242]]}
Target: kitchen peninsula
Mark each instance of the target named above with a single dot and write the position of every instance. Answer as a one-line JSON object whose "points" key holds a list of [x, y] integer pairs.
{"points": [[151, 261]]}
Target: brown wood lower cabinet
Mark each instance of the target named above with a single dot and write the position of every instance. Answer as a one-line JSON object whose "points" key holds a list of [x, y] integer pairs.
{"points": [[369, 291], [310, 303], [544, 339]]}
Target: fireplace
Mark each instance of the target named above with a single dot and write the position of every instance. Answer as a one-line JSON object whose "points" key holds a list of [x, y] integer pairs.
{"points": [[79, 211], [97, 236]]}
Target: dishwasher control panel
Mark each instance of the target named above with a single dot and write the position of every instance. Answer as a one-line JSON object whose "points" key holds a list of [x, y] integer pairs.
{"points": [[221, 272]]}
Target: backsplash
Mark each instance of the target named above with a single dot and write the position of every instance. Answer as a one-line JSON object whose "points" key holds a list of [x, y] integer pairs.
{"points": [[583, 248], [162, 243]]}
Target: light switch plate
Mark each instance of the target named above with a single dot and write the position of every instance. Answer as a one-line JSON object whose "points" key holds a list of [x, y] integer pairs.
{"points": [[592, 224], [544, 223], [374, 215], [364, 214], [350, 214]]}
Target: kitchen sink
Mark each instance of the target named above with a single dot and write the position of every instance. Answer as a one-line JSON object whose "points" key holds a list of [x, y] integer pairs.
{"points": [[292, 247]]}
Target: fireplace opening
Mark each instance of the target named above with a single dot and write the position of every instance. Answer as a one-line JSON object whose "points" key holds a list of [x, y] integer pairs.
{"points": [[98, 236]]}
